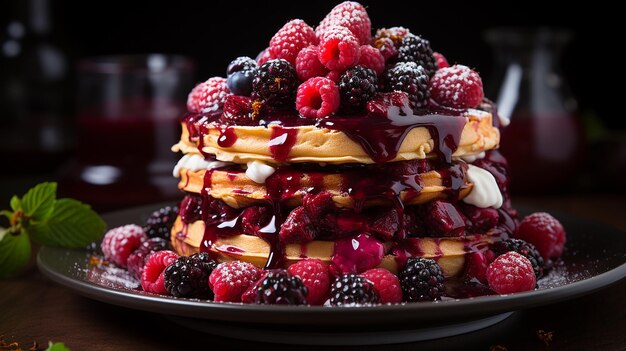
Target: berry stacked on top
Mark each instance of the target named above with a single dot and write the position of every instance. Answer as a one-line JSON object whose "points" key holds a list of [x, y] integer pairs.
{"points": [[340, 166]]}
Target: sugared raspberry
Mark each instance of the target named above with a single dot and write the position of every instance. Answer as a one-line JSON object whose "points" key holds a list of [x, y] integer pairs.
{"points": [[276, 83], [229, 280], [543, 231], [298, 227], [152, 277], [118, 243], [371, 58], [441, 60], [338, 49], [137, 259], [385, 283], [317, 97], [264, 56], [294, 36], [315, 276], [208, 96], [351, 15], [511, 273], [416, 49], [308, 65], [523, 248], [457, 86], [238, 111], [357, 86], [410, 78]]}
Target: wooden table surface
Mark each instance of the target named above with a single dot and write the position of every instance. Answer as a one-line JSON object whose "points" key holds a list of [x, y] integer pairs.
{"points": [[32, 308]]}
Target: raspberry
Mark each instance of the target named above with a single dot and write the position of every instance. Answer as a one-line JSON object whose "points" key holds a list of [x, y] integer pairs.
{"points": [[357, 254], [379, 105], [385, 283], [118, 243], [276, 83], [441, 60], [152, 277], [189, 276], [415, 49], [371, 58], [317, 205], [476, 266], [241, 63], [523, 248], [357, 86], [351, 290], [297, 228], [410, 78], [457, 86], [315, 276], [308, 65], [137, 259], [543, 231], [278, 287], [351, 15], [317, 97], [384, 224], [480, 220], [443, 219], [229, 280], [264, 56], [421, 280], [294, 36], [160, 222], [208, 96], [338, 49], [238, 111], [335, 75], [191, 208], [511, 273]]}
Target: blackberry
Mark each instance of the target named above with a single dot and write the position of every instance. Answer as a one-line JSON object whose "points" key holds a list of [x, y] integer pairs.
{"points": [[410, 78], [276, 83], [352, 290], [278, 287], [357, 86], [523, 248], [241, 63], [160, 222], [416, 49], [137, 259], [421, 280], [189, 276]]}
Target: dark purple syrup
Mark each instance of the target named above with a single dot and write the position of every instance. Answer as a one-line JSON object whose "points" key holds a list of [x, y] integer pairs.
{"points": [[282, 141]]}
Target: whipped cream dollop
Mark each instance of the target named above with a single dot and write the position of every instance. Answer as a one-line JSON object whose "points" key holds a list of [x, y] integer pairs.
{"points": [[195, 162], [485, 192], [259, 171]]}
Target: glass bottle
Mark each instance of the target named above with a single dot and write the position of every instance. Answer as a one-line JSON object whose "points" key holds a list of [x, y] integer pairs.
{"points": [[543, 140]]}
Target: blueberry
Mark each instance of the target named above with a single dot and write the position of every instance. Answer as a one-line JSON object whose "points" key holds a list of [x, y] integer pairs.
{"points": [[240, 83], [240, 64]]}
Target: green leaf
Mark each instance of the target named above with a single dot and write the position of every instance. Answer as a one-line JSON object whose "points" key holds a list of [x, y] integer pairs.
{"points": [[57, 346], [7, 214], [38, 202], [16, 203], [14, 252], [71, 224]]}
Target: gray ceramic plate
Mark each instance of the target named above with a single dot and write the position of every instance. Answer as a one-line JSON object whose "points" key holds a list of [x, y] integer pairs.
{"points": [[595, 258]]}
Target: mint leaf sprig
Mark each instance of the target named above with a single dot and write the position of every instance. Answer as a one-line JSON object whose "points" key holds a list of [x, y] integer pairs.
{"points": [[41, 217]]}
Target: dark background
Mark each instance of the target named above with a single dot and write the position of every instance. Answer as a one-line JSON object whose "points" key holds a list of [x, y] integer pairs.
{"points": [[215, 32]]}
